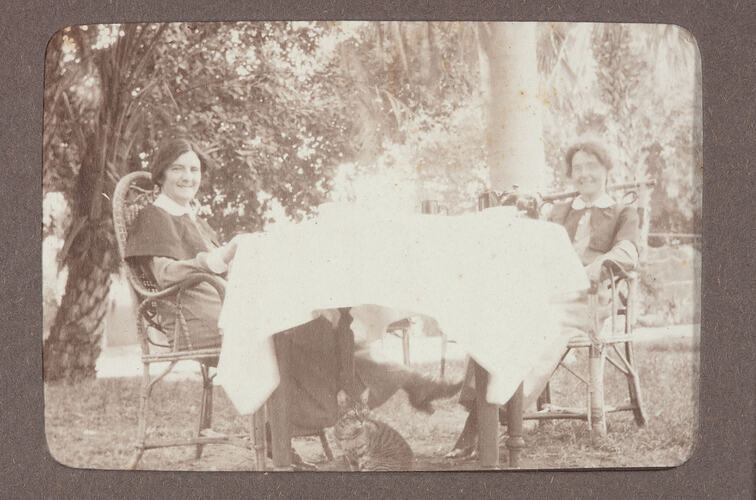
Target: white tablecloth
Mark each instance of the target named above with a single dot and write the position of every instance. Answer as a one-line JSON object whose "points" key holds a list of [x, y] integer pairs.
{"points": [[487, 278]]}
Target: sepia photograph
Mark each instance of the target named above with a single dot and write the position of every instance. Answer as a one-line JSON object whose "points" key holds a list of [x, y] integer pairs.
{"points": [[371, 246]]}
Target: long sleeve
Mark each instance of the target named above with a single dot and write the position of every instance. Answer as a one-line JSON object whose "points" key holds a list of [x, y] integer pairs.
{"points": [[623, 253], [624, 250], [169, 271], [614, 235]]}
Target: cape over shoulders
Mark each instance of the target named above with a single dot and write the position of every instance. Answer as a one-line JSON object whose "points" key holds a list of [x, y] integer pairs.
{"points": [[156, 233]]}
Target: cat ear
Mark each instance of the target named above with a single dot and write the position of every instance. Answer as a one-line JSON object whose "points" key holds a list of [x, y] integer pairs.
{"points": [[365, 396], [341, 397]]}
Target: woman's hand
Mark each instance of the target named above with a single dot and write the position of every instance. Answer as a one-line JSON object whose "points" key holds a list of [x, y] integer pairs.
{"points": [[228, 251], [593, 270]]}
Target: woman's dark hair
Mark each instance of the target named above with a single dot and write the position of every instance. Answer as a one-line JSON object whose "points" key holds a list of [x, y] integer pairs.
{"points": [[591, 147], [171, 148]]}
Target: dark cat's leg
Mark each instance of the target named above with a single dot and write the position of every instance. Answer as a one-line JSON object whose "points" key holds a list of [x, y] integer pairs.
{"points": [[423, 390], [384, 379]]}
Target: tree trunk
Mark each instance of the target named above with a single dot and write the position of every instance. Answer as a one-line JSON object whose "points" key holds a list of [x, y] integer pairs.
{"points": [[514, 134], [71, 350], [73, 346]]}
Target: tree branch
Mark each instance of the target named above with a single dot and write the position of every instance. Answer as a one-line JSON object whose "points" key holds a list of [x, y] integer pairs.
{"points": [[400, 41], [142, 63], [76, 125]]}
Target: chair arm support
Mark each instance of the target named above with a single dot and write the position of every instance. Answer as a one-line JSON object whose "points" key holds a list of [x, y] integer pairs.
{"points": [[189, 282], [615, 269], [196, 278], [167, 294], [614, 272]]}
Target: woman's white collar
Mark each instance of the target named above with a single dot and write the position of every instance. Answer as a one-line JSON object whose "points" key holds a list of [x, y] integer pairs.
{"points": [[603, 201], [166, 203]]}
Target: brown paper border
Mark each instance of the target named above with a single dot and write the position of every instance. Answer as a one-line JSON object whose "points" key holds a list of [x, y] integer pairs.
{"points": [[722, 465]]}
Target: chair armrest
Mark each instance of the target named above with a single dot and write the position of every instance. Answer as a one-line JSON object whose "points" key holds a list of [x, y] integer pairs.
{"points": [[196, 278], [614, 273], [615, 270], [190, 281]]}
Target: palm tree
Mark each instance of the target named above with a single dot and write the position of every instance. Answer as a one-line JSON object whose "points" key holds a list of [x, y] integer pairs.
{"points": [[514, 134], [91, 116]]}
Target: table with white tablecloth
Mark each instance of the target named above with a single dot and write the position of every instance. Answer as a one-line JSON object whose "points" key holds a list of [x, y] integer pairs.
{"points": [[487, 278]]}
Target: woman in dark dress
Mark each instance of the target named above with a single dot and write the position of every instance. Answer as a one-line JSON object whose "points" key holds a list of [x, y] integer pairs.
{"points": [[171, 241]]}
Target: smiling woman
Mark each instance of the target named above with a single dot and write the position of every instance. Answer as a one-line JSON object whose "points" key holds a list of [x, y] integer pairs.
{"points": [[181, 180], [588, 164], [170, 241]]}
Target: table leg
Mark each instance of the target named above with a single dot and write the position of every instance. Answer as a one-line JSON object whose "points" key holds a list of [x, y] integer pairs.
{"points": [[488, 422], [257, 421], [515, 442], [279, 406], [345, 359]]}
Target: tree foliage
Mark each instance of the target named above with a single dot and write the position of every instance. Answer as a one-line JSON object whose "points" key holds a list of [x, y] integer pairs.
{"points": [[264, 100], [417, 91], [249, 93], [636, 86]]}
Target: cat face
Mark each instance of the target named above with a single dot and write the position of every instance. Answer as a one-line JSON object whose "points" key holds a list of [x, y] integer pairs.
{"points": [[347, 405], [368, 444], [352, 414]]}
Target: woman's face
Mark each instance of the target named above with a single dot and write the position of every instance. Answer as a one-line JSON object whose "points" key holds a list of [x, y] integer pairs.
{"points": [[181, 180], [588, 174]]}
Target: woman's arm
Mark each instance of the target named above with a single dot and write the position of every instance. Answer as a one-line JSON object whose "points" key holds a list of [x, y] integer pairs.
{"points": [[623, 253], [624, 250], [168, 271]]}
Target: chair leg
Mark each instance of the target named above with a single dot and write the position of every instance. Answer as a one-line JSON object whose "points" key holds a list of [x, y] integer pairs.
{"points": [[515, 442], [444, 340], [596, 391], [544, 398], [633, 384], [142, 418], [258, 437], [325, 445], [206, 407], [406, 346]]}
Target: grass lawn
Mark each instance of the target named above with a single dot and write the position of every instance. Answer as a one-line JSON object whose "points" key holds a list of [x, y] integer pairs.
{"points": [[93, 424]]}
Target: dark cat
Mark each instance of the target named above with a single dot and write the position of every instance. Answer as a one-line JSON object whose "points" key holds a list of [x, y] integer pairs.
{"points": [[369, 444]]}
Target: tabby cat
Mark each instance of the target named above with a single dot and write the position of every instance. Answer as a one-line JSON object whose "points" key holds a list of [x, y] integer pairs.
{"points": [[369, 444]]}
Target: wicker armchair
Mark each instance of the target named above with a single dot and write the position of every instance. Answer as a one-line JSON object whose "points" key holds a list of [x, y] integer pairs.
{"points": [[604, 346], [134, 192], [601, 349]]}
